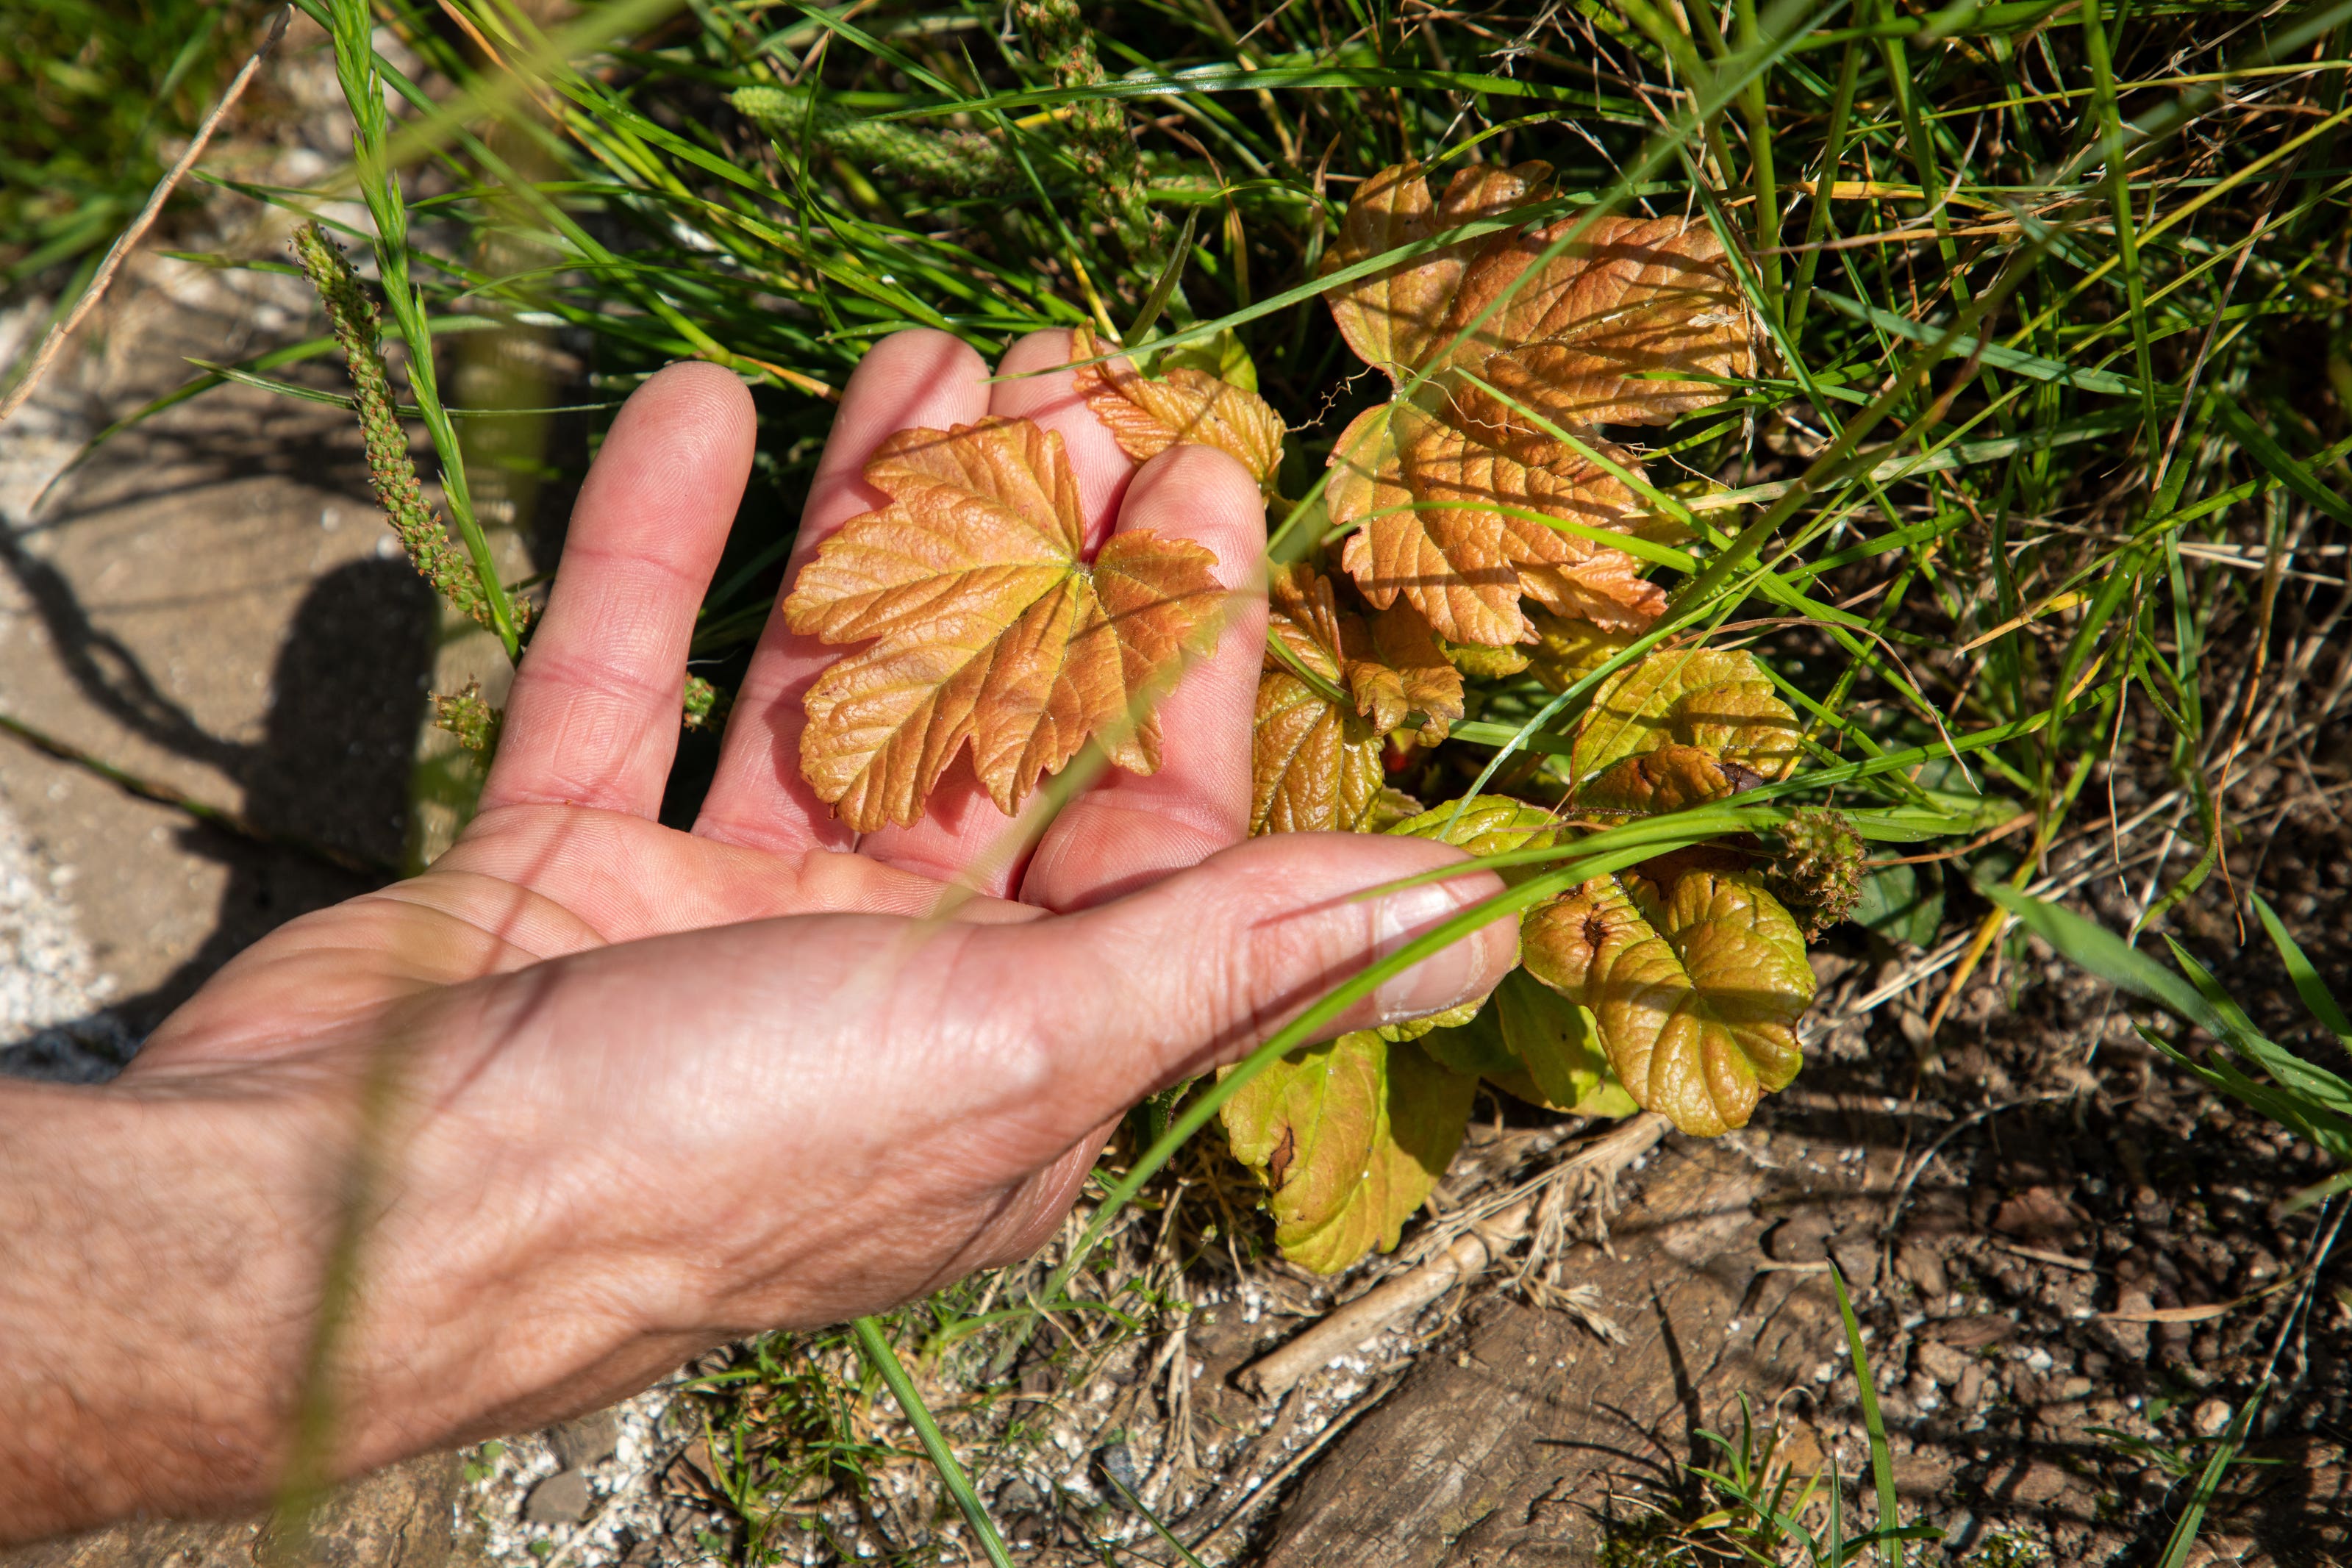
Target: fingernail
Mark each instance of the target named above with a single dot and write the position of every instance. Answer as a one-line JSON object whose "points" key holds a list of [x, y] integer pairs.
{"points": [[1447, 978]]}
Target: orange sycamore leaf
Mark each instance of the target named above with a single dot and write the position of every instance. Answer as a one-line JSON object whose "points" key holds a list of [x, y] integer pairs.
{"points": [[1147, 415], [1316, 751], [986, 626], [1314, 763], [1451, 516], [1394, 318], [1397, 668], [1597, 337], [1636, 321]]}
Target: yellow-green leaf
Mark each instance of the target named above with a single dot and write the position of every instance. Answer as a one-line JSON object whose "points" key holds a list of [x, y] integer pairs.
{"points": [[1349, 1136], [1566, 651], [1483, 663], [1719, 702], [1557, 1044], [1695, 976], [1489, 825]]}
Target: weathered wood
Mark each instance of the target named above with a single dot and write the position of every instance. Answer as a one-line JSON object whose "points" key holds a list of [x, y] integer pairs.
{"points": [[1508, 1454], [396, 1517]]}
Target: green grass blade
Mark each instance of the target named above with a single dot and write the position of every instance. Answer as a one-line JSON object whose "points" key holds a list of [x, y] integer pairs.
{"points": [[2099, 951], [2323, 1090], [1882, 1458], [1153, 1520], [2264, 449], [885, 1362], [2307, 1098], [2315, 1194], [2192, 1518]]}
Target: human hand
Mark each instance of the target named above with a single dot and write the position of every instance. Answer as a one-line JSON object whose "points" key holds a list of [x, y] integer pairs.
{"points": [[619, 1092]]}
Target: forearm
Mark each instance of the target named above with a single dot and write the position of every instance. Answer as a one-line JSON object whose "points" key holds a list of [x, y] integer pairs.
{"points": [[156, 1306], [168, 1250]]}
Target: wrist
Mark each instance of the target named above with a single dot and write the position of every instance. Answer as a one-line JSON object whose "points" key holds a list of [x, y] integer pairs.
{"points": [[171, 1241], [153, 1312]]}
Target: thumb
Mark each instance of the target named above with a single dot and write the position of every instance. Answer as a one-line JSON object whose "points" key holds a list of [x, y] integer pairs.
{"points": [[1197, 969]]}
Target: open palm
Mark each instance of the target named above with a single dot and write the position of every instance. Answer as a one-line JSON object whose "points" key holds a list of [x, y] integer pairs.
{"points": [[624, 1092]]}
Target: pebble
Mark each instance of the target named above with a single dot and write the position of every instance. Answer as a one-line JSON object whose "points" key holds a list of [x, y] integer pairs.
{"points": [[1941, 1362], [2210, 1418], [589, 1440], [561, 1498]]}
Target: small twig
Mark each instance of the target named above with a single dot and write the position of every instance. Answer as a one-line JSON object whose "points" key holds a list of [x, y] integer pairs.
{"points": [[1376, 1309], [2044, 1255], [52, 345], [1265, 1491], [1483, 1240]]}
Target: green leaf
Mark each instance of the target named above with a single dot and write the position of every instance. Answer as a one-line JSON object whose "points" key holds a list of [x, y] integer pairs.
{"points": [[1694, 975], [1477, 660], [2014, 360], [1901, 904], [1349, 1136], [1224, 355], [1557, 1045], [1474, 1047], [2218, 1074], [2104, 954], [1415, 1029]]}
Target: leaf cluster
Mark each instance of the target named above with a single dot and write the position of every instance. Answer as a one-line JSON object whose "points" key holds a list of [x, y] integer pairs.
{"points": [[2022, 443], [1673, 984]]}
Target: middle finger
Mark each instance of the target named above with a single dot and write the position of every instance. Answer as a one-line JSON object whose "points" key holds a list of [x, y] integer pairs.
{"points": [[962, 837]]}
